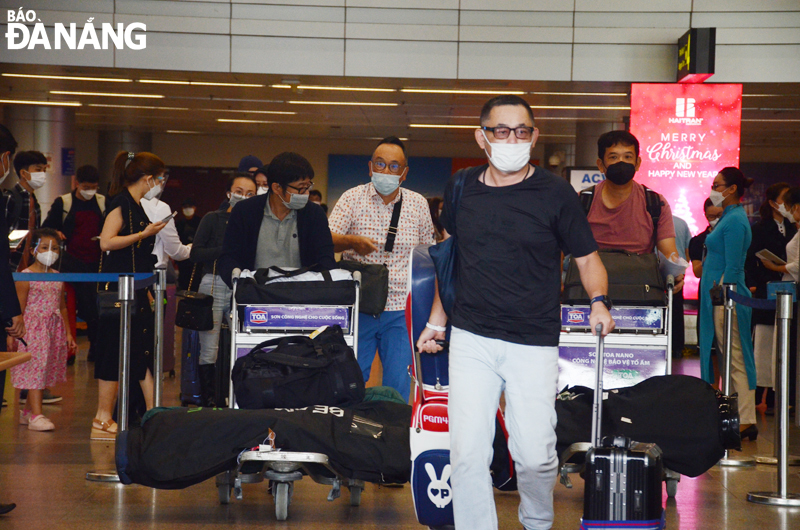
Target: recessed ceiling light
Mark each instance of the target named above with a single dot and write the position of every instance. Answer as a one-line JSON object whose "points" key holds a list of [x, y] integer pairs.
{"points": [[199, 83], [227, 120], [171, 131], [70, 78], [106, 94], [438, 126], [285, 112], [354, 103], [456, 91], [108, 106], [345, 88], [608, 94], [280, 86], [48, 103], [580, 107], [772, 120]]}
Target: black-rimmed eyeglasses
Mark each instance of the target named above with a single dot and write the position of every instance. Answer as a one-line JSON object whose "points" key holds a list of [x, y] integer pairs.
{"points": [[501, 133]]}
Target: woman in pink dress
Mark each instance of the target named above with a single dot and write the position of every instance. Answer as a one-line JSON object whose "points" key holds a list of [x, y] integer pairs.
{"points": [[47, 332]]}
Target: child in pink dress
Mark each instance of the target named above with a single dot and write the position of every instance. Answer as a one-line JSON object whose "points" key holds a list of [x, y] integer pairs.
{"points": [[47, 332]]}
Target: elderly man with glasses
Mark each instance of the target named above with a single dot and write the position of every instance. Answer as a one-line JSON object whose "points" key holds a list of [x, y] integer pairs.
{"points": [[281, 228], [379, 222]]}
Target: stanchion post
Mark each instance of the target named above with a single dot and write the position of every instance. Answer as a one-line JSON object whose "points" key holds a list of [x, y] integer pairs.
{"points": [[127, 295], [158, 347], [781, 497], [727, 460]]}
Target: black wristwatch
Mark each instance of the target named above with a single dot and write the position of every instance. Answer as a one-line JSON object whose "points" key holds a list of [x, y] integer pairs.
{"points": [[602, 298]]}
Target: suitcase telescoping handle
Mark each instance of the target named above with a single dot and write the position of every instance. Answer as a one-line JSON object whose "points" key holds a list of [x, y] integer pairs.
{"points": [[597, 407]]}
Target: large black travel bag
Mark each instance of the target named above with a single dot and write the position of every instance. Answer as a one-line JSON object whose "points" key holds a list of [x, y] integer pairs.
{"points": [[622, 478], [176, 448], [633, 280], [263, 289], [296, 371]]}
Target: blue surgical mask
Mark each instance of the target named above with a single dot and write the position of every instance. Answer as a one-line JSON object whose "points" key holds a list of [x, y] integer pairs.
{"points": [[297, 201], [385, 183]]}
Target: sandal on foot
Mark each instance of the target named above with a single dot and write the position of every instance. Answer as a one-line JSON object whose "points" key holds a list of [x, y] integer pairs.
{"points": [[103, 430]]}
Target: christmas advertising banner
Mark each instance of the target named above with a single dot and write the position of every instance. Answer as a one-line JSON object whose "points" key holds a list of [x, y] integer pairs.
{"points": [[686, 133]]}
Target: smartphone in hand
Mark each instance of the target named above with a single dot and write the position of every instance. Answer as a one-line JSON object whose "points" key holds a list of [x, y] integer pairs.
{"points": [[167, 218]]}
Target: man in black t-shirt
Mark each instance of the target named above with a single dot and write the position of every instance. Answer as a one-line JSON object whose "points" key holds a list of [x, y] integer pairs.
{"points": [[513, 222]]}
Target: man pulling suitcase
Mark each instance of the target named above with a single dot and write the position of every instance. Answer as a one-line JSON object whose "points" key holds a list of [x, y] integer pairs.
{"points": [[512, 222]]}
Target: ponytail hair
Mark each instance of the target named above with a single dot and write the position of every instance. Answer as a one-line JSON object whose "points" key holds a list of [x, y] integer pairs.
{"points": [[130, 167], [734, 176]]}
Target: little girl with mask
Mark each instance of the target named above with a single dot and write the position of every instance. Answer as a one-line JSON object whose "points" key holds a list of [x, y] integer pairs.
{"points": [[47, 331]]}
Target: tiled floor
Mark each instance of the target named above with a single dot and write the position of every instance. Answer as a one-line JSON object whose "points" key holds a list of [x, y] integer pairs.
{"points": [[44, 474]]}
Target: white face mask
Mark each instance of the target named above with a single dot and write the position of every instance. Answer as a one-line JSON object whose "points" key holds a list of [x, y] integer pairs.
{"points": [[784, 212], [153, 192], [509, 158], [717, 198], [712, 223], [6, 170], [88, 194], [234, 198], [188, 212], [262, 190], [37, 179], [47, 258]]}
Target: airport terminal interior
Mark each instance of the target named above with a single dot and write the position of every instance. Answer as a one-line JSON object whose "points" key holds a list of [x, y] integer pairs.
{"points": [[222, 79]]}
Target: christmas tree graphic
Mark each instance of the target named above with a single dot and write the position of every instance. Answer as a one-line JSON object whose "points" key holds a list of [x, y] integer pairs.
{"points": [[682, 210]]}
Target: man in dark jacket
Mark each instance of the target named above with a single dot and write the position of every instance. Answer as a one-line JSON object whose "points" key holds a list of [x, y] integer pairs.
{"points": [[11, 323], [280, 228]]}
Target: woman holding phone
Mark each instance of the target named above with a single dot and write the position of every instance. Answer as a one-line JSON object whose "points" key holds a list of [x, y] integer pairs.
{"points": [[127, 242]]}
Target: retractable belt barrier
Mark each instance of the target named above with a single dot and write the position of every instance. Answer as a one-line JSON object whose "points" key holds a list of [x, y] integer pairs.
{"points": [[783, 316], [140, 279]]}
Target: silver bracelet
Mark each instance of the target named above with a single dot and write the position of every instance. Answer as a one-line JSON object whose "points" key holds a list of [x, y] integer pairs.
{"points": [[435, 327]]}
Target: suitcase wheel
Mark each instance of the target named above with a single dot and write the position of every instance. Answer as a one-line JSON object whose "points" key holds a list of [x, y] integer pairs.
{"points": [[283, 497], [672, 487]]}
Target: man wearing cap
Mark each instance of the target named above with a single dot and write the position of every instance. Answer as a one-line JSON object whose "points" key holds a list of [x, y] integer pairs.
{"points": [[513, 220], [361, 225], [249, 164]]}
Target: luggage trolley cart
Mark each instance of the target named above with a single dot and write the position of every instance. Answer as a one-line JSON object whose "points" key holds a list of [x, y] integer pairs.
{"points": [[640, 347], [252, 324]]}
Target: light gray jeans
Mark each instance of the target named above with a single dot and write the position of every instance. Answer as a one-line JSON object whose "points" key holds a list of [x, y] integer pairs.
{"points": [[209, 340], [480, 370]]}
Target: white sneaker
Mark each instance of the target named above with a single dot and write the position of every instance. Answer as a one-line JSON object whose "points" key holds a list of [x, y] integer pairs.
{"points": [[40, 423], [24, 417]]}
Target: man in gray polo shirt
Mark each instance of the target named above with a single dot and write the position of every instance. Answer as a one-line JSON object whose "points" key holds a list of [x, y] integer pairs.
{"points": [[281, 228]]}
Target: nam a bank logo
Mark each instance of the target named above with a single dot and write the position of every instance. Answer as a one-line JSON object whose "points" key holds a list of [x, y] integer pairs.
{"points": [[685, 112], [19, 36]]}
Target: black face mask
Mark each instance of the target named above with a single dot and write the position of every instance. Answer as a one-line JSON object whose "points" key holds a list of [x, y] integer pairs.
{"points": [[620, 173]]}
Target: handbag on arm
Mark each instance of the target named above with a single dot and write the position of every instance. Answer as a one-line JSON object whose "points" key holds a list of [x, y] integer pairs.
{"points": [[195, 310]]}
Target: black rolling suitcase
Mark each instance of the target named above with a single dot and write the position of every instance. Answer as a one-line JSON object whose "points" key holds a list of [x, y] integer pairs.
{"points": [[622, 477], [222, 373]]}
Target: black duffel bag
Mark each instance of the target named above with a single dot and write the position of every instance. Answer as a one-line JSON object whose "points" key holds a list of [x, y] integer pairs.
{"points": [[633, 280], [296, 371], [264, 290], [374, 285]]}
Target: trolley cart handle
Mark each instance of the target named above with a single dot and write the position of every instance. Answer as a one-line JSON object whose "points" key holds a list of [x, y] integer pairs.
{"points": [[597, 407], [670, 282], [357, 277]]}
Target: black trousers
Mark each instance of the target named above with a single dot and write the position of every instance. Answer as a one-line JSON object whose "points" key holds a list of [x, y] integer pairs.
{"points": [[86, 306], [678, 330]]}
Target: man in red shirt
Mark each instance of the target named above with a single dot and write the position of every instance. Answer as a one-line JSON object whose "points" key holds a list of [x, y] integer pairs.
{"points": [[618, 215]]}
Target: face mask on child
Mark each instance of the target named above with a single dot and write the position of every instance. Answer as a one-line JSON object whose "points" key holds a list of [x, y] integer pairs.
{"points": [[47, 258]]}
